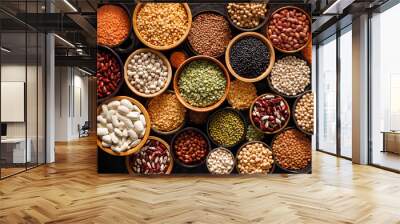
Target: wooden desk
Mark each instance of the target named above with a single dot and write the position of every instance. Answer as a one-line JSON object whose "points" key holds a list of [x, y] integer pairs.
{"points": [[391, 141]]}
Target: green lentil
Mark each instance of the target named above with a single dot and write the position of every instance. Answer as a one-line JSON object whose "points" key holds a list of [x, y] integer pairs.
{"points": [[253, 134], [226, 128], [202, 83]]}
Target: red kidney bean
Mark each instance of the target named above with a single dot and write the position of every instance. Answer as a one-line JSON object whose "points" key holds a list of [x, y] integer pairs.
{"points": [[289, 29], [108, 74], [153, 158], [191, 147], [270, 113]]}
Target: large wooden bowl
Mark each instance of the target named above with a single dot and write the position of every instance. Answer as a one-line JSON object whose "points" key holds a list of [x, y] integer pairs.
{"points": [[271, 170], [128, 159], [271, 57], [161, 48], [178, 74], [309, 21], [166, 63], [267, 132], [146, 135]]}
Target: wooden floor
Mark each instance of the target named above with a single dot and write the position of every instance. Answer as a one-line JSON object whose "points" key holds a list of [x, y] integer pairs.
{"points": [[70, 191]]}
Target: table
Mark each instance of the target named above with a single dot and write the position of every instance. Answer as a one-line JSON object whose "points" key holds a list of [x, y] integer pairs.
{"points": [[391, 141]]}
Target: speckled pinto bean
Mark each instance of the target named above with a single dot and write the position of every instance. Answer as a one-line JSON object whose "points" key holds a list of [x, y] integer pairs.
{"points": [[292, 149], [108, 74], [289, 29]]}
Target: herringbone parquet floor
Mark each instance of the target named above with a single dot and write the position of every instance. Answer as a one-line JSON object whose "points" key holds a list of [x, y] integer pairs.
{"points": [[70, 191]]}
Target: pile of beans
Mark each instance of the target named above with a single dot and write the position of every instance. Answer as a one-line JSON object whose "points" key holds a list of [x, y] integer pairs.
{"points": [[209, 34], [289, 29], [304, 112], [290, 75], [292, 149], [241, 94], [120, 125], [249, 57], [153, 158], [254, 158], [166, 112], [113, 25], [147, 72], [253, 134], [226, 128], [190, 147], [270, 113], [202, 83], [108, 74], [162, 24], [247, 15], [220, 161]]}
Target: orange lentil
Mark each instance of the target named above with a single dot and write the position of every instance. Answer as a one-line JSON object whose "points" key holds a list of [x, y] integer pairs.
{"points": [[177, 58], [112, 25]]}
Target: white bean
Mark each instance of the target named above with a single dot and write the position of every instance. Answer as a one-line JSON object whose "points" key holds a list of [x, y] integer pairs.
{"points": [[138, 126], [106, 139], [132, 134], [102, 131], [114, 104], [123, 110], [127, 104], [133, 115]]}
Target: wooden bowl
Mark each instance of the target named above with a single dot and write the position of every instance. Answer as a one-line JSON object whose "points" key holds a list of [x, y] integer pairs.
{"points": [[210, 118], [308, 87], [166, 63], [177, 160], [294, 112], [161, 48], [178, 74], [309, 21], [108, 50], [215, 12], [306, 169], [242, 29], [266, 132], [226, 150], [146, 135], [128, 159], [166, 132], [271, 58], [252, 142]]}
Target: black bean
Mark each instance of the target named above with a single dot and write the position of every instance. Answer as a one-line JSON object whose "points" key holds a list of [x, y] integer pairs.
{"points": [[249, 57]]}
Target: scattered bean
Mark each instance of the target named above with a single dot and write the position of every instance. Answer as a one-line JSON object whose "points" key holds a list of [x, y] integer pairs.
{"points": [[292, 149], [254, 158]]}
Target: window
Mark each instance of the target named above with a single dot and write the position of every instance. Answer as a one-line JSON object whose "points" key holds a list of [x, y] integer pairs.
{"points": [[327, 96]]}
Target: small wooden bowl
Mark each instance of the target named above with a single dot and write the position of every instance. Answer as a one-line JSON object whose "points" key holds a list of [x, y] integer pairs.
{"points": [[308, 87], [240, 116], [161, 48], [215, 12], [271, 57], [226, 150], [306, 169], [294, 112], [242, 29], [309, 21], [177, 160], [108, 50], [252, 142], [146, 135], [266, 132], [178, 74], [128, 159], [163, 58]]}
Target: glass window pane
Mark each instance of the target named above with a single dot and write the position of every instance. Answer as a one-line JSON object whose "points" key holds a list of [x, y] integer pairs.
{"points": [[385, 84], [327, 95], [346, 93]]}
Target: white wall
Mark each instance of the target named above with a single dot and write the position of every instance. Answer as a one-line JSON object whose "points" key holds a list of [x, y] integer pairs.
{"points": [[71, 94]]}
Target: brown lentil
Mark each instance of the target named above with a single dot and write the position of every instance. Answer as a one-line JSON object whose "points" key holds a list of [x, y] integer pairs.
{"points": [[210, 34], [113, 25], [304, 112], [241, 94], [191, 147], [166, 112], [254, 158], [292, 149], [162, 24]]}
